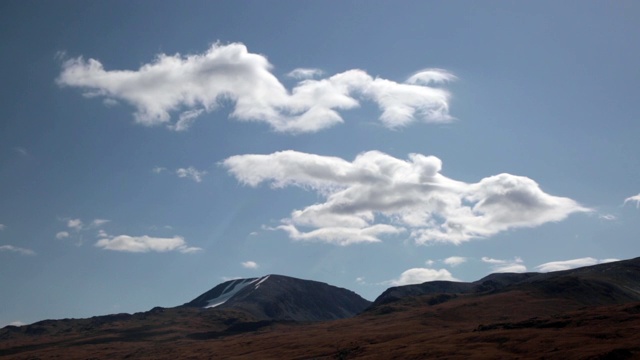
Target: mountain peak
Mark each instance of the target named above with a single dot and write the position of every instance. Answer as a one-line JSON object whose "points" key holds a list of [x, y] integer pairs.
{"points": [[278, 297]]}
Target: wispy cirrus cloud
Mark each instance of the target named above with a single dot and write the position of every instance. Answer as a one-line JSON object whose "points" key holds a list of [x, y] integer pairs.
{"points": [[15, 249], [635, 198], [421, 275], [571, 264], [377, 195], [192, 85], [505, 266], [191, 173], [144, 244]]}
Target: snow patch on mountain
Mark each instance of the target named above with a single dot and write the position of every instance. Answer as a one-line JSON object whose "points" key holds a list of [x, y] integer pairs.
{"points": [[261, 281], [233, 288]]}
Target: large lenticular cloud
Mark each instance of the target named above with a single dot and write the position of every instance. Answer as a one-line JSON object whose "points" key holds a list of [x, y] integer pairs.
{"points": [[377, 195]]}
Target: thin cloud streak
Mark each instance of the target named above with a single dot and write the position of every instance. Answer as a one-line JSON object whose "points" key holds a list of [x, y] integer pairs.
{"points": [[421, 275], [571, 264], [15, 249], [144, 244]]}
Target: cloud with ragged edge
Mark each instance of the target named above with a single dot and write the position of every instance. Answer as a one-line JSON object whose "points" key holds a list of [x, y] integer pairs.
{"points": [[249, 264], [420, 275], [186, 87], [15, 249], [76, 229], [635, 198], [191, 173], [506, 266], [378, 195], [144, 244], [571, 264]]}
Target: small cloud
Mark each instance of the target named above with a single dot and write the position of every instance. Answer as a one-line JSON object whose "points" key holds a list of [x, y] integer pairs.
{"points": [[360, 280], [17, 323], [19, 250], [75, 224], [62, 235], [158, 169], [571, 264], [2, 227], [305, 73], [191, 173], [506, 266], [108, 102], [250, 265], [431, 76], [421, 275], [185, 120], [429, 262], [635, 198], [22, 151], [607, 217], [253, 233], [99, 222], [455, 260], [143, 244]]}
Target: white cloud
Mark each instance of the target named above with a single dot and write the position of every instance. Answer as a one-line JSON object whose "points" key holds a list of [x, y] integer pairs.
{"points": [[360, 280], [99, 222], [571, 264], [17, 323], [16, 249], [420, 275], [158, 169], [429, 262], [186, 119], [77, 229], [304, 73], [249, 264], [506, 266], [2, 227], [635, 198], [194, 84], [75, 224], [191, 173], [455, 260], [143, 244], [377, 194], [607, 217], [431, 76]]}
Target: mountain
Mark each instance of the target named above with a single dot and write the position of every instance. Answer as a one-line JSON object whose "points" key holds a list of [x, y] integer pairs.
{"points": [[278, 297], [586, 313], [610, 283]]}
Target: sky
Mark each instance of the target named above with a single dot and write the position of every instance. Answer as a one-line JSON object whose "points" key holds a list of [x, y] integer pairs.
{"points": [[150, 150]]}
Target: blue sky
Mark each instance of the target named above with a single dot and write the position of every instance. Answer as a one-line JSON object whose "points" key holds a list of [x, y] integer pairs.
{"points": [[151, 150]]}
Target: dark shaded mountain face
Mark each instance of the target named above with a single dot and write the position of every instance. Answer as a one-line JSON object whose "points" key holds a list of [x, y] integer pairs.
{"points": [[610, 283], [586, 313], [277, 297]]}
